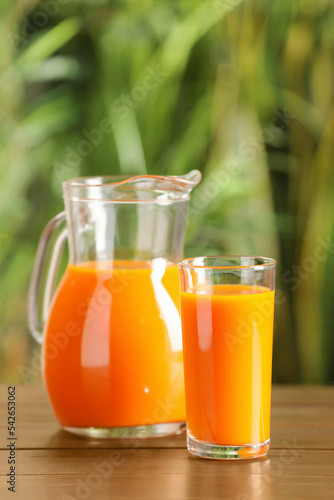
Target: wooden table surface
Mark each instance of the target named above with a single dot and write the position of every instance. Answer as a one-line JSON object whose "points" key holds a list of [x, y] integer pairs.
{"points": [[53, 464]]}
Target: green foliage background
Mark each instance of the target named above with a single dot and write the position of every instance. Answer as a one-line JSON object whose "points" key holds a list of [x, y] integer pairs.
{"points": [[245, 94]]}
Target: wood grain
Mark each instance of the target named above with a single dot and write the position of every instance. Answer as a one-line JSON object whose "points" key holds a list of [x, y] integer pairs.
{"points": [[53, 464]]}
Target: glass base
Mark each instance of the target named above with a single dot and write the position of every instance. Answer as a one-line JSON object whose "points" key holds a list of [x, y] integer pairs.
{"points": [[138, 432], [222, 452]]}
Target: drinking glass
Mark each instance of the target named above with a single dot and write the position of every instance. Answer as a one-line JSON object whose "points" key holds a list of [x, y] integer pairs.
{"points": [[227, 311]]}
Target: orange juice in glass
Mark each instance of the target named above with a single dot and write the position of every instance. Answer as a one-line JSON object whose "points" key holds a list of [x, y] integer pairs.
{"points": [[227, 310]]}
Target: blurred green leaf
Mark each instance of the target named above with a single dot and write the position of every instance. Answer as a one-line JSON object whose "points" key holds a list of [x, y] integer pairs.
{"points": [[242, 90], [49, 43]]}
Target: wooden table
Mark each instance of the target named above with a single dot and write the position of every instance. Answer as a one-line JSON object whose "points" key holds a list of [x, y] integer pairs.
{"points": [[52, 464]]}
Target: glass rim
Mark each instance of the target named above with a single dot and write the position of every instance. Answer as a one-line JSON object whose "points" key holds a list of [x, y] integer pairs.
{"points": [[190, 263]]}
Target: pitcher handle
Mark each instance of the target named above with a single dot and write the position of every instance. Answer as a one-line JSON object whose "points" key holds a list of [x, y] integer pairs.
{"points": [[44, 274]]}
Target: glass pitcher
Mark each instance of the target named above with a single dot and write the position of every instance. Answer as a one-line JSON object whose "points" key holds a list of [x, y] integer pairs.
{"points": [[112, 346]]}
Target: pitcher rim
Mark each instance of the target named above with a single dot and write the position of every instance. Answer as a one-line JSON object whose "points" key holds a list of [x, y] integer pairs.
{"points": [[84, 188]]}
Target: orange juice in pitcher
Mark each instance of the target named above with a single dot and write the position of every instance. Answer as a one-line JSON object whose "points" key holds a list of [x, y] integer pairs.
{"points": [[112, 343]]}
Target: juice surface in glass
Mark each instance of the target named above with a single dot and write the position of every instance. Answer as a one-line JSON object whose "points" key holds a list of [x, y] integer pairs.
{"points": [[227, 345], [113, 347]]}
